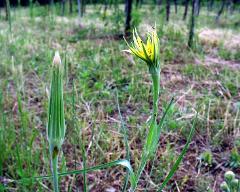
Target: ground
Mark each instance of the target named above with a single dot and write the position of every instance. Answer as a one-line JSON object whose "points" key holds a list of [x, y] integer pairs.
{"points": [[99, 76]]}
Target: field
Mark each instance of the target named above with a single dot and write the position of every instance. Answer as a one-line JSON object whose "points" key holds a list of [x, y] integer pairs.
{"points": [[108, 97]]}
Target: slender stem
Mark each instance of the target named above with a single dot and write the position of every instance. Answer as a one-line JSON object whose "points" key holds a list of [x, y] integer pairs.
{"points": [[151, 141], [141, 168], [124, 131], [55, 172], [156, 87], [84, 168]]}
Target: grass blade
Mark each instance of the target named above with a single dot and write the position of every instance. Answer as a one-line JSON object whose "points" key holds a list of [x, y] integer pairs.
{"points": [[84, 168], [122, 162], [161, 123], [179, 159], [124, 131], [151, 144]]}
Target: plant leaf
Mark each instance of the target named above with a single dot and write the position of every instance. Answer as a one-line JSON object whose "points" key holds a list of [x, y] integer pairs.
{"points": [[123, 162], [151, 143], [180, 157]]}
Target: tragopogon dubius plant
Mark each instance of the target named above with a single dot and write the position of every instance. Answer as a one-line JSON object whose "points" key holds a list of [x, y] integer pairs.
{"points": [[150, 53]]}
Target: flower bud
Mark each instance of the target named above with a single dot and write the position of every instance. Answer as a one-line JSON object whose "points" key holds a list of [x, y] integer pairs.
{"points": [[229, 176], [235, 183], [57, 59], [148, 51], [224, 187], [56, 121]]}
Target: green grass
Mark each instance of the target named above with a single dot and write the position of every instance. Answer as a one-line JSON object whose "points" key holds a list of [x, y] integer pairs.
{"points": [[96, 66]]}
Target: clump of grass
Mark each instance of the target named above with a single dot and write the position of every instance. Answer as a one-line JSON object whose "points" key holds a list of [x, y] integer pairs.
{"points": [[56, 122]]}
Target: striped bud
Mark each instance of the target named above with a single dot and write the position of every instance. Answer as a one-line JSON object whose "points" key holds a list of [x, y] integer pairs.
{"points": [[56, 123]]}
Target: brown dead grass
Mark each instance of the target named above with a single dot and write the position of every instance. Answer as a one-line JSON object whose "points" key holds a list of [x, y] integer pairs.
{"points": [[216, 37]]}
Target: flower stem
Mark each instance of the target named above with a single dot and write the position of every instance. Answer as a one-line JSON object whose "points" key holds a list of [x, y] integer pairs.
{"points": [[155, 73], [151, 141], [55, 171]]}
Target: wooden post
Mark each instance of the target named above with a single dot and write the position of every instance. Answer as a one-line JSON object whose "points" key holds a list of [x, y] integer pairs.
{"points": [[128, 10], [79, 8], [8, 14], [185, 9], [63, 7], [175, 5], [168, 10], [70, 6], [192, 24], [221, 10]]}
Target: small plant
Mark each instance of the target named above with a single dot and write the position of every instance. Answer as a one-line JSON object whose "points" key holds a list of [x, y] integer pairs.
{"points": [[235, 158], [231, 183], [56, 122], [207, 158]]}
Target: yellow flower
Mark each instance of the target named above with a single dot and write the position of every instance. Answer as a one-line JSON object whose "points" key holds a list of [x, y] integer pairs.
{"points": [[149, 51]]}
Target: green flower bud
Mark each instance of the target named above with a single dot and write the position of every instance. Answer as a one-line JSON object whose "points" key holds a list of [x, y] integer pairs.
{"points": [[224, 187], [229, 176], [235, 183], [56, 122]]}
